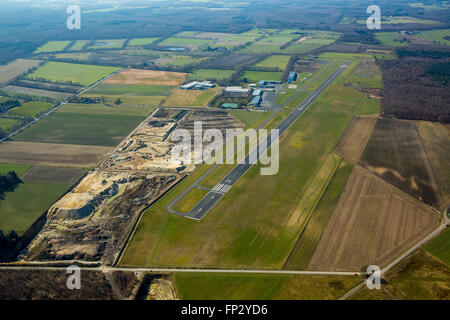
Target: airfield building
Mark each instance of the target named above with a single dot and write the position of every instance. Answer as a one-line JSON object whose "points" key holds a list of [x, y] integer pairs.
{"points": [[292, 77], [196, 85]]}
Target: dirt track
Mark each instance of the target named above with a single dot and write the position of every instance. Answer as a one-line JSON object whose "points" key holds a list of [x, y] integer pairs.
{"points": [[372, 224]]}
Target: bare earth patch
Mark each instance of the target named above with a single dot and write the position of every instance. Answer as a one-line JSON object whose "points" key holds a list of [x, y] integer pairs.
{"points": [[372, 224], [147, 77], [352, 145]]}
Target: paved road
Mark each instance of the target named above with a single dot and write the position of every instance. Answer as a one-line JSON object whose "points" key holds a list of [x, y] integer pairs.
{"points": [[59, 106], [218, 192]]}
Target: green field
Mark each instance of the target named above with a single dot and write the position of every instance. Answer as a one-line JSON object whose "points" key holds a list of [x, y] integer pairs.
{"points": [[53, 46], [276, 61], [255, 76], [307, 46], [190, 200], [19, 169], [122, 109], [440, 247], [305, 246], [238, 233], [437, 36], [5, 124], [213, 74], [400, 20], [128, 100], [70, 72], [82, 129], [78, 45], [31, 109], [27, 203], [204, 286], [141, 41], [185, 42], [108, 44], [249, 118], [391, 39]]}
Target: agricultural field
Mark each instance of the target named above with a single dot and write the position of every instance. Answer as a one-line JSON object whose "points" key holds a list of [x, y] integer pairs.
{"points": [[307, 242], [375, 216], [52, 174], [65, 155], [396, 154], [110, 109], [391, 39], [436, 36], [19, 215], [6, 124], [354, 141], [211, 74], [141, 42], [107, 44], [401, 20], [278, 61], [17, 90], [192, 44], [16, 68], [78, 45], [19, 169], [53, 46], [440, 246], [81, 129], [307, 45], [147, 77], [191, 98], [109, 89], [30, 109], [130, 100], [215, 286], [255, 76], [245, 234], [84, 75], [419, 277]]}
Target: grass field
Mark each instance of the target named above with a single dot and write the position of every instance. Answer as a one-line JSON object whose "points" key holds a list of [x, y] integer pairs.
{"points": [[437, 36], [32, 92], [78, 45], [128, 100], [185, 42], [190, 200], [81, 129], [19, 169], [390, 39], [69, 72], [108, 44], [16, 68], [141, 41], [249, 118], [130, 90], [277, 61], [307, 46], [122, 109], [440, 246], [31, 109], [191, 98], [147, 77], [418, 277], [213, 74], [29, 201], [306, 244], [240, 233], [401, 20], [255, 76], [53, 46], [260, 287], [6, 124]]}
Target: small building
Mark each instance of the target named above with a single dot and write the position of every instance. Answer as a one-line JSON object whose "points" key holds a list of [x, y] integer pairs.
{"points": [[237, 90], [256, 101], [190, 85], [292, 77], [258, 92], [229, 105], [195, 85]]}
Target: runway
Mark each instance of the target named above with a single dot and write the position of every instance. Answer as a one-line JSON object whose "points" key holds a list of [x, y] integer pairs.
{"points": [[225, 185]]}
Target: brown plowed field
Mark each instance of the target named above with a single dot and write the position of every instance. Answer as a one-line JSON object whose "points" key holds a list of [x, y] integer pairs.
{"points": [[147, 77], [372, 224], [52, 154], [352, 145]]}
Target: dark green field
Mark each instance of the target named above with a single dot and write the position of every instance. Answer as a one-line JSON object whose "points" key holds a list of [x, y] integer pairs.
{"points": [[83, 129]]}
